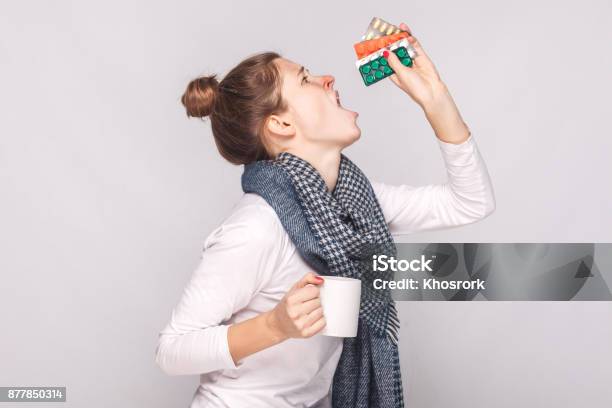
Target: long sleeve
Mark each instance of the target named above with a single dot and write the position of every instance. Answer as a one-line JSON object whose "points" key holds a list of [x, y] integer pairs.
{"points": [[238, 259], [466, 197]]}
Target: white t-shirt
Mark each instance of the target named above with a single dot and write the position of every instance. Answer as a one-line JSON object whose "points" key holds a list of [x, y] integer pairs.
{"points": [[249, 263]]}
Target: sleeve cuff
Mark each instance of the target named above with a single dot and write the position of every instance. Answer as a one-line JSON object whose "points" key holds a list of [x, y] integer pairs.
{"points": [[454, 147], [224, 352], [461, 154]]}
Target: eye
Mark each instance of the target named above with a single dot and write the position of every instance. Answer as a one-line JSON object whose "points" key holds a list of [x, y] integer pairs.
{"points": [[305, 79]]}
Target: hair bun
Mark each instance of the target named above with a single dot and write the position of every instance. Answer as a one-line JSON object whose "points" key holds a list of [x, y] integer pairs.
{"points": [[199, 97]]}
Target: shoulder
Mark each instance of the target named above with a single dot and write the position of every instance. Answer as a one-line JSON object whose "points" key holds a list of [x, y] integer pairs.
{"points": [[382, 190], [251, 221], [253, 210]]}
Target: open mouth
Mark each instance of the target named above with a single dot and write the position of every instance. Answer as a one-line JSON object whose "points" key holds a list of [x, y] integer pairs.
{"points": [[339, 104]]}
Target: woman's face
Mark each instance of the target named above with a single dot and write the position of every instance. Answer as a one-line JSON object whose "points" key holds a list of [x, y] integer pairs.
{"points": [[314, 108]]}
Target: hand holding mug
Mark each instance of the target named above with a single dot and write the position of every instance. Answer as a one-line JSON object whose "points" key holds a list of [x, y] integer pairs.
{"points": [[299, 313]]}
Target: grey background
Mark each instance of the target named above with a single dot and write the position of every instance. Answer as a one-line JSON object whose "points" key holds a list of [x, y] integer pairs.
{"points": [[108, 191]]}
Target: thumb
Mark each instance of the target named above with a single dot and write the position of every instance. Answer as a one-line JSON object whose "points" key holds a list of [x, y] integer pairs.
{"points": [[394, 62], [310, 277], [403, 75]]}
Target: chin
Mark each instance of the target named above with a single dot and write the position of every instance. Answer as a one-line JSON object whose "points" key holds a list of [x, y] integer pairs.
{"points": [[353, 136], [356, 132]]}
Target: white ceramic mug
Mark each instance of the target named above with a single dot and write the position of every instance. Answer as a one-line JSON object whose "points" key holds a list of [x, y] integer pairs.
{"points": [[340, 299]]}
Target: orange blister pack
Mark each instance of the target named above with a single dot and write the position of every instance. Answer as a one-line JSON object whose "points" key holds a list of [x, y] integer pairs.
{"points": [[368, 47]]}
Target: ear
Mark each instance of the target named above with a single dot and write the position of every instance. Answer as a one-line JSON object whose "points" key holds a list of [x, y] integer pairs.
{"points": [[280, 126]]}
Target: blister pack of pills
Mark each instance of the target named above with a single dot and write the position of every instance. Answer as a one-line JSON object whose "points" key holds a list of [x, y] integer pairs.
{"points": [[381, 36], [379, 28]]}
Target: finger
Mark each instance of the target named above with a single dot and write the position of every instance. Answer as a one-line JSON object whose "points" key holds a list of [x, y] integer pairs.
{"points": [[310, 277], [416, 44], [394, 62], [314, 328], [392, 59], [312, 317], [404, 27], [310, 305], [304, 294]]}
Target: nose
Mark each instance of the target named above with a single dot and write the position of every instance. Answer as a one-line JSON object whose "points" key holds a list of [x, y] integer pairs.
{"points": [[328, 81]]}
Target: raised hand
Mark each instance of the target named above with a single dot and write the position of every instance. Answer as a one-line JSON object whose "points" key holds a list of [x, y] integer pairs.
{"points": [[421, 81]]}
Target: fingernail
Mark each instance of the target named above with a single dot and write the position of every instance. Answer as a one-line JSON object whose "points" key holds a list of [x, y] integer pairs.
{"points": [[385, 53], [318, 278]]}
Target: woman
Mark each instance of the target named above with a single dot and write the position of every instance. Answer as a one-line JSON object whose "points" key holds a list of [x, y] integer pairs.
{"points": [[248, 318]]}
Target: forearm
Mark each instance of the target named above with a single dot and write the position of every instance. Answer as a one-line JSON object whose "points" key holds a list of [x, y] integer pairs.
{"points": [[253, 335], [182, 351], [444, 117]]}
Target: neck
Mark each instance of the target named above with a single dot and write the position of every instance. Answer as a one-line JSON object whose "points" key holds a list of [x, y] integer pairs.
{"points": [[326, 162]]}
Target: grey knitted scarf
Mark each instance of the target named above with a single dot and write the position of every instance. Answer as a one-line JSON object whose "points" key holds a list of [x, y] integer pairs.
{"points": [[336, 233]]}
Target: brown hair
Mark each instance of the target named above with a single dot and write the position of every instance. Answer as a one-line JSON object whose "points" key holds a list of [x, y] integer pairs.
{"points": [[238, 106]]}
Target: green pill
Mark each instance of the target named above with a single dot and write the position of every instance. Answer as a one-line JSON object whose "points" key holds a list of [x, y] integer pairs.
{"points": [[365, 69], [387, 70], [369, 79], [374, 64], [378, 74], [383, 61], [407, 62], [401, 52]]}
